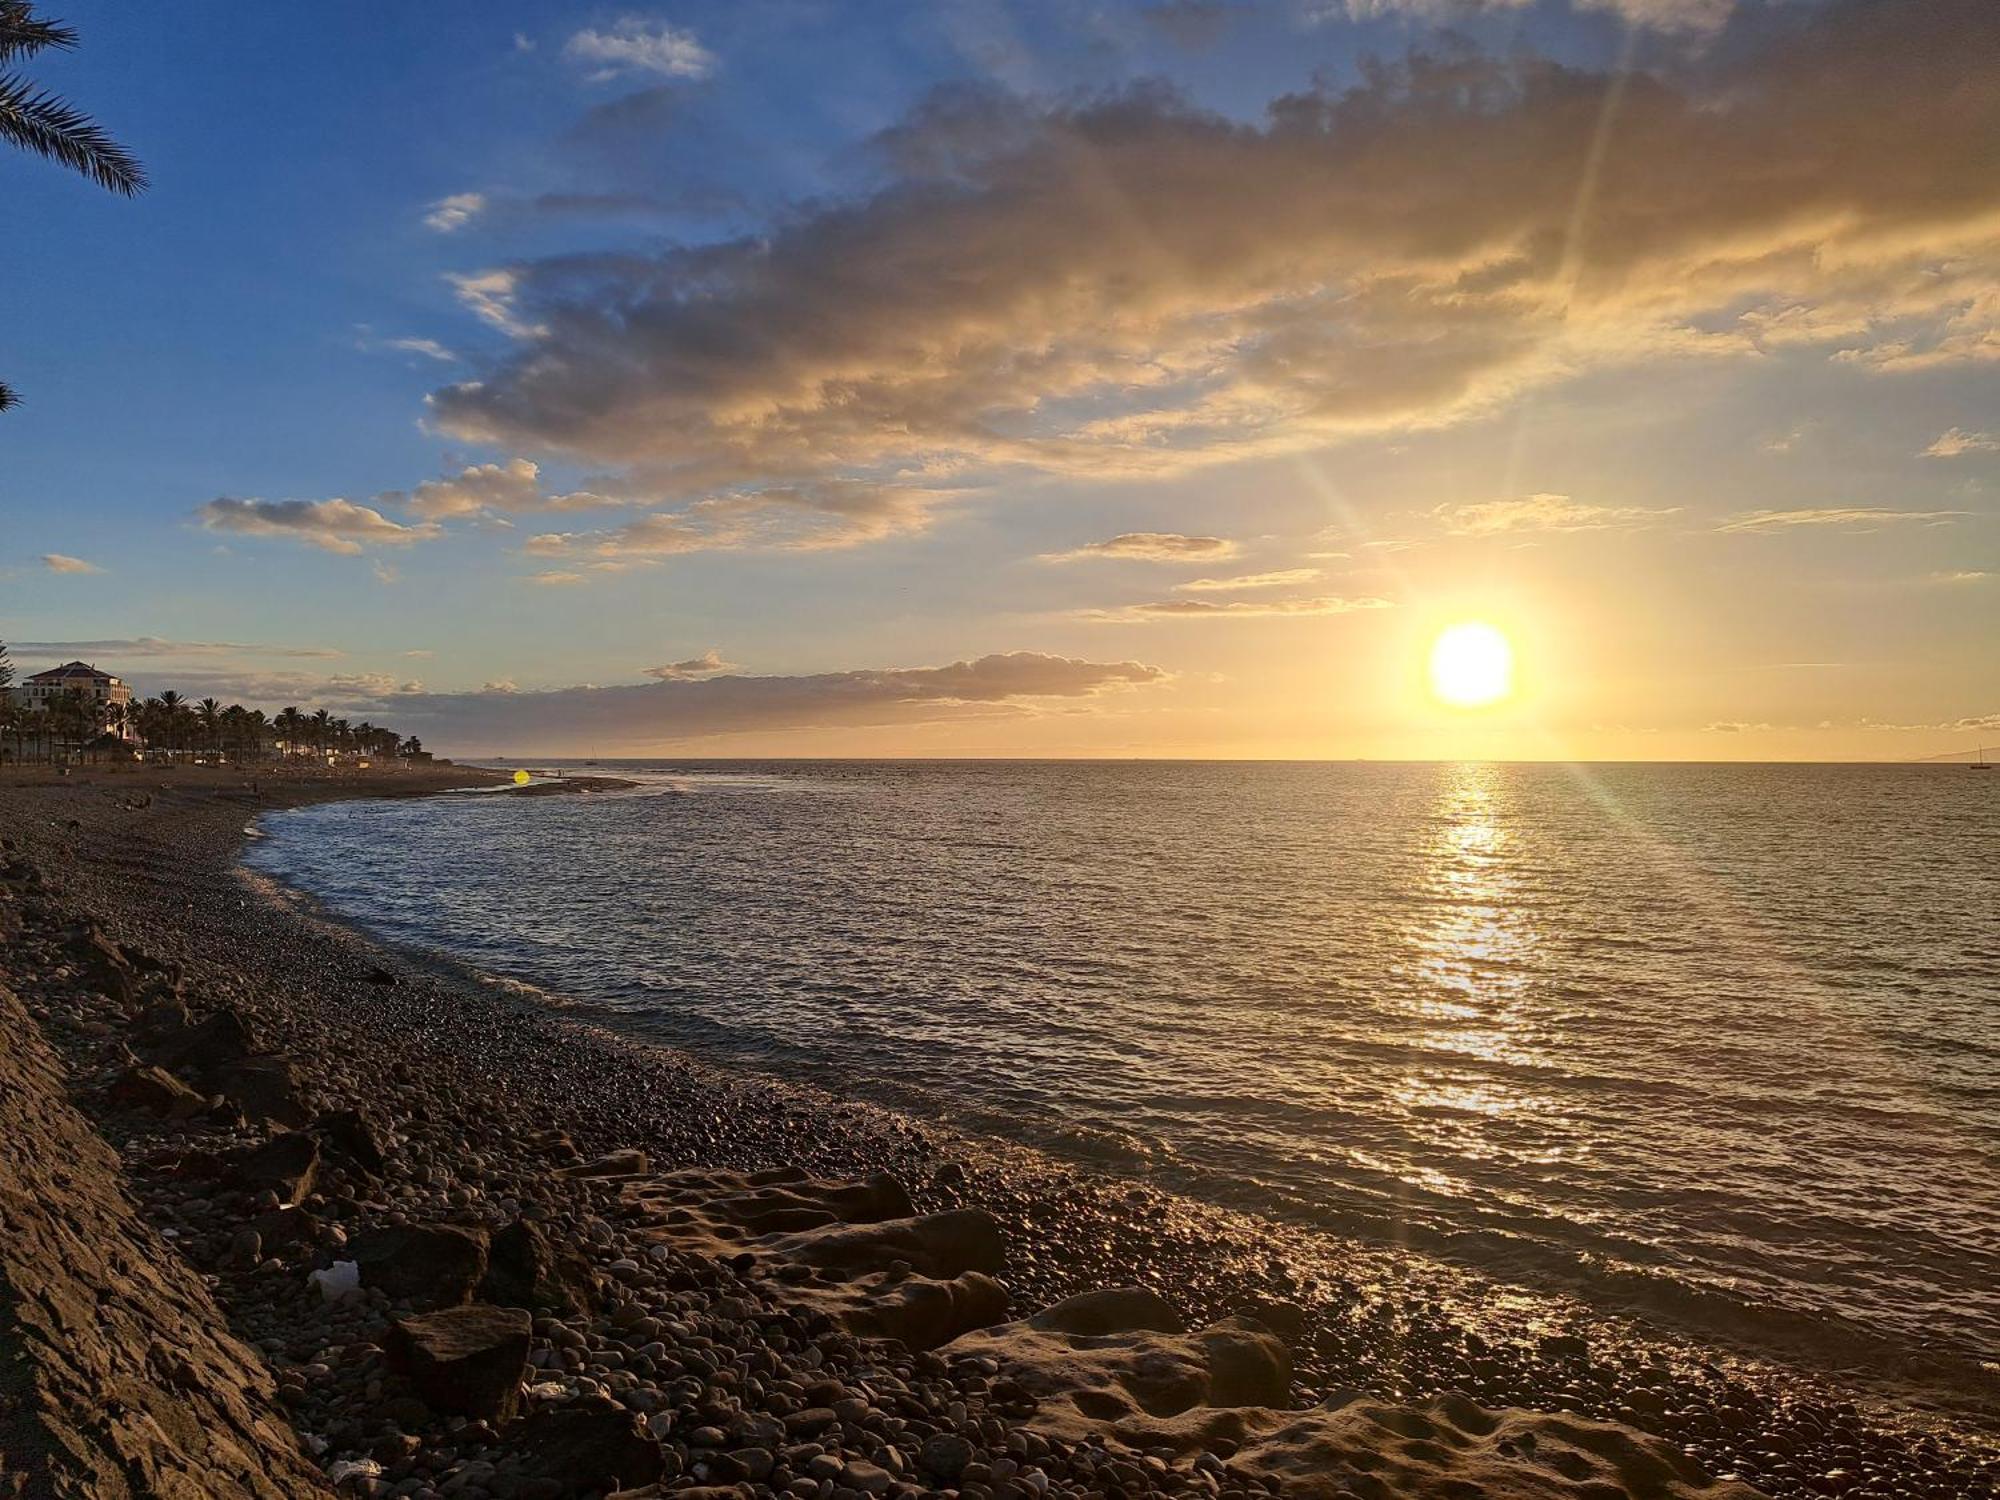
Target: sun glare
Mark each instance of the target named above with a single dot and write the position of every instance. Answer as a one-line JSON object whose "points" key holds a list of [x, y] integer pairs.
{"points": [[1471, 665]]}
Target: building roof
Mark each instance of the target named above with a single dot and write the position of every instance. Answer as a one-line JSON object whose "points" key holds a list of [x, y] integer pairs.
{"points": [[69, 670]]}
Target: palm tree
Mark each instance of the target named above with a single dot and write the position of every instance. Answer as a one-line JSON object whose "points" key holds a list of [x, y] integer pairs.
{"points": [[38, 121], [172, 709], [209, 714], [322, 724]]}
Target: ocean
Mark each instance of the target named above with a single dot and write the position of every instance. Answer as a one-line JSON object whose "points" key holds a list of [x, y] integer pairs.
{"points": [[1720, 1043]]}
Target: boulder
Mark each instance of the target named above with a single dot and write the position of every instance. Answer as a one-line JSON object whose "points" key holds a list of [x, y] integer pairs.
{"points": [[465, 1360], [223, 1037], [348, 1135], [589, 1444], [434, 1265], [524, 1270], [265, 1088], [286, 1164], [157, 1092]]}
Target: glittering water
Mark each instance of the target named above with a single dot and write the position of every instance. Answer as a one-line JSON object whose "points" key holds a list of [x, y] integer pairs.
{"points": [[1716, 1040]]}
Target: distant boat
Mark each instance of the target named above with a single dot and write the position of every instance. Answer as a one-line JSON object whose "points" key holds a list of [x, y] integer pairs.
{"points": [[1981, 764]]}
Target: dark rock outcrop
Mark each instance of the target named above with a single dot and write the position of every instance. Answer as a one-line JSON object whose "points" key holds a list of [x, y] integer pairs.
{"points": [[286, 1164], [465, 1360], [524, 1270], [434, 1265]]}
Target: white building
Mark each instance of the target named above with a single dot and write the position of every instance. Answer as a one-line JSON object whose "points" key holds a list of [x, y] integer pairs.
{"points": [[44, 688]]}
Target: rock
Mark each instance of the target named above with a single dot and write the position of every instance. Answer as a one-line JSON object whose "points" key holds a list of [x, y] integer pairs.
{"points": [[524, 1270], [266, 1088], [224, 1037], [104, 965], [589, 1444], [157, 1092], [286, 1164], [467, 1360], [349, 1135], [944, 1456], [434, 1265]]}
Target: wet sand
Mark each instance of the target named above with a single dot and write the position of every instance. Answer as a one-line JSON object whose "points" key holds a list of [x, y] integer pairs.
{"points": [[491, 1092]]}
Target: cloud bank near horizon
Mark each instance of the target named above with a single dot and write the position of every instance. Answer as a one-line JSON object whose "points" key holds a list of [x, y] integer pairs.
{"points": [[693, 700]]}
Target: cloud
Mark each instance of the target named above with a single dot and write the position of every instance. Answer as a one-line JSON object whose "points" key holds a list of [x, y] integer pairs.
{"points": [[555, 579], [1231, 609], [1247, 581], [152, 645], [366, 340], [633, 44], [429, 348], [1542, 513], [358, 693], [1151, 546], [1663, 15], [817, 517], [670, 711], [708, 664], [335, 525], [1955, 442], [61, 562], [1961, 575], [514, 485], [491, 297], [1129, 285], [1858, 517], [448, 215]]}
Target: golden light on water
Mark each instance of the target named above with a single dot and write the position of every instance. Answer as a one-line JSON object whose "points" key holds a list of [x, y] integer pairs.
{"points": [[1472, 665]]}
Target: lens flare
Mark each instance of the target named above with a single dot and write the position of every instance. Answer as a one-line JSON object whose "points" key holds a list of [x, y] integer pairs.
{"points": [[1471, 665]]}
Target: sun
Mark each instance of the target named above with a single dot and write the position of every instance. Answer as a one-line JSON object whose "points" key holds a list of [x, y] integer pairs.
{"points": [[1472, 665]]}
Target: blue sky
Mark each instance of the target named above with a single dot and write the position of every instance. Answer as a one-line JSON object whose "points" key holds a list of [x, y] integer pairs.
{"points": [[836, 321]]}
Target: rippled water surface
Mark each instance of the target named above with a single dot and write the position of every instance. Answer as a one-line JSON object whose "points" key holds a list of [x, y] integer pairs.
{"points": [[1721, 1039]]}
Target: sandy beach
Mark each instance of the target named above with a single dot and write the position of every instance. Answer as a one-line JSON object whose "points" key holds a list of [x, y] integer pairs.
{"points": [[694, 1268]]}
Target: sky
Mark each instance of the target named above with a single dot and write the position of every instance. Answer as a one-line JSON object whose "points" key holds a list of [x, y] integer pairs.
{"points": [[1025, 377]]}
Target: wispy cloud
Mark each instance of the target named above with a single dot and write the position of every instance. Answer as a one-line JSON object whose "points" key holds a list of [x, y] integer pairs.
{"points": [[1853, 518], [708, 664], [511, 486], [1230, 609], [633, 44], [448, 215], [1241, 581], [1150, 546], [333, 525], [1955, 442], [62, 562], [799, 518], [152, 646], [554, 579], [1543, 512]]}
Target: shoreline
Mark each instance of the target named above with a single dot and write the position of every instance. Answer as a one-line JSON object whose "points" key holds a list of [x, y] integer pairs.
{"points": [[173, 888]]}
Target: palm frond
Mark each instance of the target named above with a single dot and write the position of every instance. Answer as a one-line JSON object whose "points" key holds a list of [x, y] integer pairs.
{"points": [[8, 400], [23, 33], [38, 121]]}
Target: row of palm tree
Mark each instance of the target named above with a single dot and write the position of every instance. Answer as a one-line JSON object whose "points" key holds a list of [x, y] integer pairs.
{"points": [[174, 727]]}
